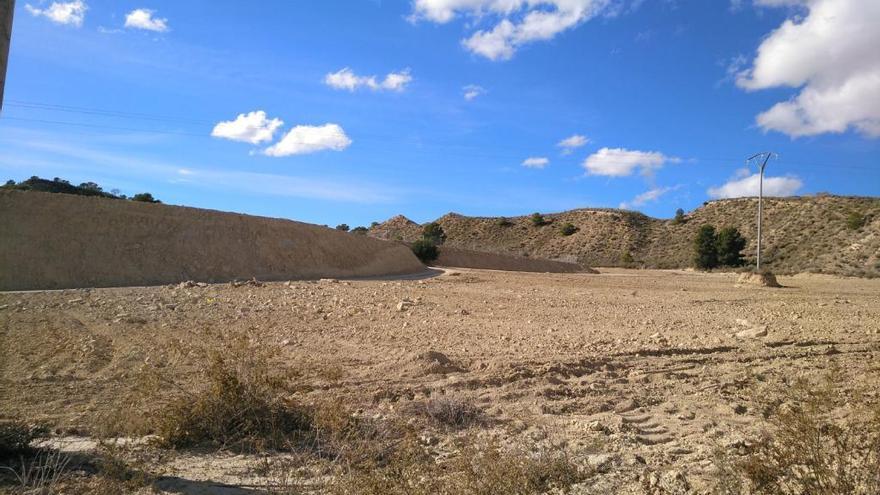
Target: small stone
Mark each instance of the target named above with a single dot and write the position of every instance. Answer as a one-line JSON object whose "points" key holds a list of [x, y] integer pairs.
{"points": [[752, 333], [602, 463]]}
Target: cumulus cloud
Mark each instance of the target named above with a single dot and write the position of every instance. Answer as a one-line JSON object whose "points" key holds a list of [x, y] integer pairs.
{"points": [[472, 91], [518, 21], [346, 79], [748, 186], [254, 127], [620, 162], [829, 50], [71, 13], [535, 162], [304, 139], [571, 143], [143, 19], [646, 197]]}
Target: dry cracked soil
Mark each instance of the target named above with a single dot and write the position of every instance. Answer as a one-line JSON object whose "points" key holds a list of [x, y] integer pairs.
{"points": [[640, 374]]}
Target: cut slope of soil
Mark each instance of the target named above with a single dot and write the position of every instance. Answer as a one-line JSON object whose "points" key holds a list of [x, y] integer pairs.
{"points": [[53, 241]]}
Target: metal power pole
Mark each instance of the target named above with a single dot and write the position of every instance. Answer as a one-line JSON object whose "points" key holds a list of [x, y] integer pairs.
{"points": [[7, 7], [766, 155]]}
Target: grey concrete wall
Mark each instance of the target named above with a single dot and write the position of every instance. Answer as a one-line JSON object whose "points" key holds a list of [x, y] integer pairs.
{"points": [[54, 241]]}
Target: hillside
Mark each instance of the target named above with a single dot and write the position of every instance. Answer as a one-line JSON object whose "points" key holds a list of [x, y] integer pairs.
{"points": [[53, 241], [801, 234]]}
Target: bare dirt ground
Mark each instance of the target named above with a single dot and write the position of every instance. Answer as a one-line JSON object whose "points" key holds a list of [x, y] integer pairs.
{"points": [[636, 373]]}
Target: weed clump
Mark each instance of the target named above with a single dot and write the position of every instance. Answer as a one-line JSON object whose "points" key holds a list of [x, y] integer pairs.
{"points": [[240, 405], [810, 448], [450, 412]]}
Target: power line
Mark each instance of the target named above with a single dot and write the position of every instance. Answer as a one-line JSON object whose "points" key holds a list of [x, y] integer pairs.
{"points": [[101, 112]]}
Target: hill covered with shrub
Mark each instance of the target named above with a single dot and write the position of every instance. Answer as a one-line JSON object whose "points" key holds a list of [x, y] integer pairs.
{"points": [[820, 234]]}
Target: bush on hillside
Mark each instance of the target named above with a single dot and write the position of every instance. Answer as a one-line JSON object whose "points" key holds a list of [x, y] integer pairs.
{"points": [[730, 243], [568, 229], [679, 217], [425, 250], [537, 219], [145, 198], [434, 233], [503, 222], [706, 248], [855, 221], [343, 227], [359, 230]]}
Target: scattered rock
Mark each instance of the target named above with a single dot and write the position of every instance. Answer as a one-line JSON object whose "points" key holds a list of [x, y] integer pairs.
{"points": [[602, 463], [405, 305], [433, 362], [752, 333], [328, 281]]}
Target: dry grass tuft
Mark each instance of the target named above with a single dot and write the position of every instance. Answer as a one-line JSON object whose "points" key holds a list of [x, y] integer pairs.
{"points": [[811, 447], [450, 412], [483, 469]]}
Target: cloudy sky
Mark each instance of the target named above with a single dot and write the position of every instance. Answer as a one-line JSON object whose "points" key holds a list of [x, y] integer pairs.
{"points": [[352, 111]]}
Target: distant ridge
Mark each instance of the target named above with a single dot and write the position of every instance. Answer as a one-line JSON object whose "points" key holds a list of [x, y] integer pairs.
{"points": [[801, 234]]}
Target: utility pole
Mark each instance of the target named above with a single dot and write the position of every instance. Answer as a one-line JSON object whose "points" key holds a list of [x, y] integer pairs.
{"points": [[7, 7], [766, 155]]}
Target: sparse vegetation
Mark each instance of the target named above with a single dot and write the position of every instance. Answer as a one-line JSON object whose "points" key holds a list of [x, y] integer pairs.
{"points": [[145, 198], [241, 404], [810, 447], [855, 220], [537, 219], [679, 217], [343, 227], [730, 245], [706, 248], [360, 230], [16, 438], [568, 229], [723, 248], [61, 186], [503, 222], [425, 250], [433, 233], [450, 412]]}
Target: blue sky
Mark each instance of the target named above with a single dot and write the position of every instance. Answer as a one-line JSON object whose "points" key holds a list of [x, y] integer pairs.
{"points": [[354, 111]]}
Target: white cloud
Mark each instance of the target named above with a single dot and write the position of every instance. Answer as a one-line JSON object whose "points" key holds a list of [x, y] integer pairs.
{"points": [[620, 162], [831, 53], [346, 79], [571, 143], [304, 139], [253, 128], [72, 13], [143, 19], [521, 21], [748, 186], [535, 162], [646, 197], [472, 91]]}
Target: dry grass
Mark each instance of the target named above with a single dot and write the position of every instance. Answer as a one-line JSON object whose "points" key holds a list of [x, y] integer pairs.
{"points": [[449, 412], [813, 446], [478, 469]]}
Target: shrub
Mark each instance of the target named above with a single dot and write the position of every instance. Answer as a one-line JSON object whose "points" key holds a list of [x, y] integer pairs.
{"points": [[537, 219], [503, 222], [479, 469], [145, 198], [434, 233], [359, 230], [679, 217], [240, 404], [627, 258], [425, 250], [855, 221], [374, 224], [706, 248], [568, 229], [343, 227], [16, 438], [450, 411], [809, 448], [729, 244]]}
